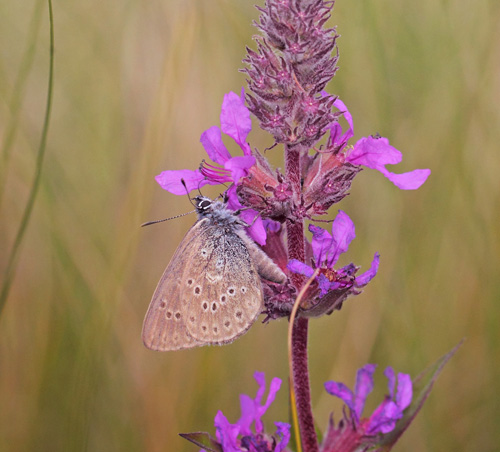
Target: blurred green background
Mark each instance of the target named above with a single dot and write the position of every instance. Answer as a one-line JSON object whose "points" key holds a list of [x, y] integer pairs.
{"points": [[136, 83]]}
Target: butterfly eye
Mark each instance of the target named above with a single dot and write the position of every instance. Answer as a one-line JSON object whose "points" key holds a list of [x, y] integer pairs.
{"points": [[204, 205]]}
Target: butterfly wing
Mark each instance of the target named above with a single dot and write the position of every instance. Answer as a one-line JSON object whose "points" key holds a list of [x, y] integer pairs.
{"points": [[220, 289], [164, 327]]}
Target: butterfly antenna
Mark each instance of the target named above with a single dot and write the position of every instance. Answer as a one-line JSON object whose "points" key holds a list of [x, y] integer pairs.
{"points": [[166, 219], [183, 182]]}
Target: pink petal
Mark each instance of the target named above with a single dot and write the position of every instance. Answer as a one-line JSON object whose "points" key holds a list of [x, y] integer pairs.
{"points": [[405, 391], [364, 385], [347, 115], [296, 266], [407, 181], [321, 243], [343, 233], [211, 140], [171, 181], [374, 153], [239, 166], [391, 377], [367, 276], [341, 391], [235, 120]]}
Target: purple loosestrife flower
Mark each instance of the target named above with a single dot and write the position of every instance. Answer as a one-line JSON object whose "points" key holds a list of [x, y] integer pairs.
{"points": [[333, 286], [355, 432], [236, 123], [241, 436], [374, 152]]}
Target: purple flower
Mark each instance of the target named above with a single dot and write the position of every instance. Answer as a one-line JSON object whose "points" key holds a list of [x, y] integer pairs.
{"points": [[249, 429], [235, 122], [373, 152], [327, 249], [384, 418]]}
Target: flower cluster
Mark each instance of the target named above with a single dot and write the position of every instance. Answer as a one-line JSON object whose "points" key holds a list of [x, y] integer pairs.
{"points": [[266, 194], [352, 433], [240, 436]]}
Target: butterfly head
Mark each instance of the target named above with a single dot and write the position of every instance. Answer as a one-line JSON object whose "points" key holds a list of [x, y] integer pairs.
{"points": [[203, 204]]}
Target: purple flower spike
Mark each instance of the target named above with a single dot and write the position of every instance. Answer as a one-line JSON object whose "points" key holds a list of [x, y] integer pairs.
{"points": [[236, 123], [376, 152]]}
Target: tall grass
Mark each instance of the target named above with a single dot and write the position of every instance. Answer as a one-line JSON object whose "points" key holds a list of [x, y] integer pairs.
{"points": [[135, 84]]}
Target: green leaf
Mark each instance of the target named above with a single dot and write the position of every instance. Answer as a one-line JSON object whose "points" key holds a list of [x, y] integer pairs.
{"points": [[203, 440]]}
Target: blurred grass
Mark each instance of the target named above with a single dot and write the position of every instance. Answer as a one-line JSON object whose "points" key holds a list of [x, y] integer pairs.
{"points": [[135, 85]]}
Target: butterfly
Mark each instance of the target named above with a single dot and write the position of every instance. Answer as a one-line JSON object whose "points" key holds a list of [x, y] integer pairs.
{"points": [[211, 291]]}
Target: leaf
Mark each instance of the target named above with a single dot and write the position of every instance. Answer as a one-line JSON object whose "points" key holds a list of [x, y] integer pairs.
{"points": [[422, 386], [203, 440]]}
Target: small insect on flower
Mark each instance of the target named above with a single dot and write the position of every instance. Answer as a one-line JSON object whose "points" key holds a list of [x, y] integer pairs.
{"points": [[210, 292]]}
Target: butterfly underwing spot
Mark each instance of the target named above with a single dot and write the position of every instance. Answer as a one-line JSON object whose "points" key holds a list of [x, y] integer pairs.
{"points": [[177, 316], [168, 315], [197, 290], [231, 291], [190, 281], [214, 306], [223, 298], [243, 289], [204, 305]]}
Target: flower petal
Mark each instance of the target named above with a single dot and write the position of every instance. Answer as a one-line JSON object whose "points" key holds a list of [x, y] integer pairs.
{"points": [[404, 393], [171, 181], [251, 409], [391, 383], [226, 433], [211, 140], [296, 266], [407, 181], [239, 166], [235, 120], [321, 243], [376, 152], [384, 418], [256, 229], [343, 233], [283, 432], [367, 276], [349, 133], [341, 391], [364, 385]]}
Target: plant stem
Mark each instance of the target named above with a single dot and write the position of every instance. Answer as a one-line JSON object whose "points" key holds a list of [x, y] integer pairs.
{"points": [[14, 254], [296, 250]]}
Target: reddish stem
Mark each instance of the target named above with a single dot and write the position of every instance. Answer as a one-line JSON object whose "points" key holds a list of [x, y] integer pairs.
{"points": [[296, 250]]}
